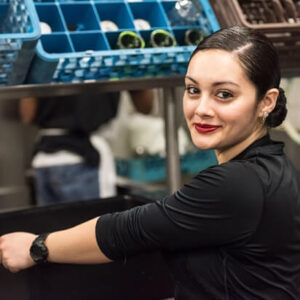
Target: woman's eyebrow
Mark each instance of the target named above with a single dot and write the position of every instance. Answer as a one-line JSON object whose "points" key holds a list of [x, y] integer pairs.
{"points": [[192, 79], [215, 83], [224, 82]]}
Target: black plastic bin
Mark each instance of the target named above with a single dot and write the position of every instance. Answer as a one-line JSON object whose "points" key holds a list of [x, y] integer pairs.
{"points": [[142, 277]]}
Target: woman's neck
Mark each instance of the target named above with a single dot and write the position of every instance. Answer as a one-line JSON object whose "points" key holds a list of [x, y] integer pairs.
{"points": [[225, 155]]}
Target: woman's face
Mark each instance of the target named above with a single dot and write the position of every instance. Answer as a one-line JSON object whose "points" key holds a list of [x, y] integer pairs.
{"points": [[219, 101]]}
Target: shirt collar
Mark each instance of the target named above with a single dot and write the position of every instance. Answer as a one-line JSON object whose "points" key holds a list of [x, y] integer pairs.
{"points": [[262, 145]]}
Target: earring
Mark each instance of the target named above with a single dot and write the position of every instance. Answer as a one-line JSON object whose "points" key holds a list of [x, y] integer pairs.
{"points": [[265, 115]]}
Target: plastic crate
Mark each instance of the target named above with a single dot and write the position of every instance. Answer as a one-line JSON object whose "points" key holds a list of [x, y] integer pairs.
{"points": [[19, 33], [78, 49], [278, 20], [153, 168]]}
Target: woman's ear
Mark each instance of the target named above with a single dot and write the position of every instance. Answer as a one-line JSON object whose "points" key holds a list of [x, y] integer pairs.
{"points": [[268, 103]]}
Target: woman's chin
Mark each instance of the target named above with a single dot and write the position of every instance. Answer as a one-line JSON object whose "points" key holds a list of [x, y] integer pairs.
{"points": [[205, 142], [204, 146]]}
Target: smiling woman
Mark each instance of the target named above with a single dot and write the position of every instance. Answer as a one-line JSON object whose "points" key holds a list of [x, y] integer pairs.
{"points": [[220, 106], [232, 89], [233, 232]]}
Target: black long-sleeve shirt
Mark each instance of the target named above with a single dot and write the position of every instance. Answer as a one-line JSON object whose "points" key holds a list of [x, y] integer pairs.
{"points": [[233, 232]]}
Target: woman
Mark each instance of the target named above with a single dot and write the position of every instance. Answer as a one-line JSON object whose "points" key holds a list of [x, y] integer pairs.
{"points": [[233, 232]]}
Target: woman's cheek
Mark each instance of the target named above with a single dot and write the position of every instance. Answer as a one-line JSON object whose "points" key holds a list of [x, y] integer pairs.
{"points": [[186, 111], [189, 109]]}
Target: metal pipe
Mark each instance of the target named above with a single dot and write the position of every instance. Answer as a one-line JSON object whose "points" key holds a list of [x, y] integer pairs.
{"points": [[171, 137]]}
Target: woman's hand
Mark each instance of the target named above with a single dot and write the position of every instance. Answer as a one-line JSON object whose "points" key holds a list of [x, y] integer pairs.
{"points": [[14, 251]]}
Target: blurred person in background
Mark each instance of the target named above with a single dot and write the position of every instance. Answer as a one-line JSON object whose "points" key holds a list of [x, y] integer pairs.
{"points": [[71, 160]]}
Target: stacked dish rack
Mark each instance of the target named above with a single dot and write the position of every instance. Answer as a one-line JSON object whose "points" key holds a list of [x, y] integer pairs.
{"points": [[153, 167], [279, 20], [78, 49], [19, 33]]}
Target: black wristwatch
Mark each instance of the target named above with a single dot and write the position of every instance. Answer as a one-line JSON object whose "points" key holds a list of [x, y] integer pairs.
{"points": [[38, 250]]}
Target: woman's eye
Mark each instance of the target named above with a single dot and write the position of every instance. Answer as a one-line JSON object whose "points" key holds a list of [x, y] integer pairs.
{"points": [[224, 95], [192, 90]]}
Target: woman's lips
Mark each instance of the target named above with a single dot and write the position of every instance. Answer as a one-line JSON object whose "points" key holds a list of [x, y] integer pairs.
{"points": [[205, 128]]}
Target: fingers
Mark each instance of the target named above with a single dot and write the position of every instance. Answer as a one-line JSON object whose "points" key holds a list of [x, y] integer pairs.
{"points": [[6, 262], [14, 251], [2, 260], [13, 270], [0, 250], [7, 266]]}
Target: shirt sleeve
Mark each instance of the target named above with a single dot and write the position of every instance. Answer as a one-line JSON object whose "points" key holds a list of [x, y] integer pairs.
{"points": [[221, 205]]}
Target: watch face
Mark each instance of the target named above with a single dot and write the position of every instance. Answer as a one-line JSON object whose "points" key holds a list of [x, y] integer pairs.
{"points": [[38, 250]]}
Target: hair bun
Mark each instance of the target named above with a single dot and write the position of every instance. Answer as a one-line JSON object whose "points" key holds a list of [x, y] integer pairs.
{"points": [[278, 115], [282, 92]]}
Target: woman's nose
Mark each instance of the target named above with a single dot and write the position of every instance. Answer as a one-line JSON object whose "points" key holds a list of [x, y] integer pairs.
{"points": [[204, 107]]}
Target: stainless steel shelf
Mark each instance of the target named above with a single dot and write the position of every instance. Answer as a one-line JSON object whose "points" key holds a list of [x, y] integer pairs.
{"points": [[61, 89]]}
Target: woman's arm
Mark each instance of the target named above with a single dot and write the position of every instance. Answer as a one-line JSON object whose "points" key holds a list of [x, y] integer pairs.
{"points": [[75, 245], [218, 207], [142, 100], [27, 109]]}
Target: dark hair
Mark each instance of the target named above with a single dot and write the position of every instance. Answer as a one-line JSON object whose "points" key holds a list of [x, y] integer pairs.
{"points": [[259, 59]]}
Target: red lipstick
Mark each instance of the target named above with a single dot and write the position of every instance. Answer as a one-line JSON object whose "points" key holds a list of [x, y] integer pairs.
{"points": [[205, 128]]}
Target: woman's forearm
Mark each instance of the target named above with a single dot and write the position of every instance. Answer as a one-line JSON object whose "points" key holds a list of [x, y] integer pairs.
{"points": [[76, 245]]}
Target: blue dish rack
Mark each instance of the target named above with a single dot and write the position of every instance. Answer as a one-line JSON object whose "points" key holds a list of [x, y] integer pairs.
{"points": [[79, 50], [19, 33], [153, 168]]}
